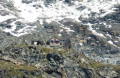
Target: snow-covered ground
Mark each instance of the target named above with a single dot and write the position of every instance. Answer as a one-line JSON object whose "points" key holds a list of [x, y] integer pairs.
{"points": [[4, 18], [56, 12], [60, 10]]}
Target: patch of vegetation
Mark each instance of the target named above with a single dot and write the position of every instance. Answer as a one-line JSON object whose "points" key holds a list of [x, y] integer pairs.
{"points": [[46, 50], [14, 70], [63, 52], [116, 67]]}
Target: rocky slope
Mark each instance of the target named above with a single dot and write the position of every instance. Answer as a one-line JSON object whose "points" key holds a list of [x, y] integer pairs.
{"points": [[41, 62], [90, 28]]}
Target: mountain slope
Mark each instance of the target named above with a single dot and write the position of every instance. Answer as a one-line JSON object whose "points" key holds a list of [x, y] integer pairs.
{"points": [[95, 21]]}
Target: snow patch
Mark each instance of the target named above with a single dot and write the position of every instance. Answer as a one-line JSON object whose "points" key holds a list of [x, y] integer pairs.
{"points": [[68, 30], [81, 44], [23, 31], [110, 42], [95, 32], [109, 35], [59, 35], [4, 18], [116, 41]]}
